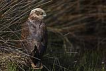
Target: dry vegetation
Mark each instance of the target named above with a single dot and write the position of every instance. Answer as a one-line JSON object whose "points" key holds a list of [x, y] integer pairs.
{"points": [[77, 30]]}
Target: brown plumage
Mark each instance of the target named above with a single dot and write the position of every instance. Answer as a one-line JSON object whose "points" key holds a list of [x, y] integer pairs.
{"points": [[35, 35]]}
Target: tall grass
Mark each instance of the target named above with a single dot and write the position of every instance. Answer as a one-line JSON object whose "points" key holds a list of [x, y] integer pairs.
{"points": [[76, 31]]}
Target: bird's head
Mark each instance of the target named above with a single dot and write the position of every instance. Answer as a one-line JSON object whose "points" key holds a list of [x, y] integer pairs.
{"points": [[37, 13]]}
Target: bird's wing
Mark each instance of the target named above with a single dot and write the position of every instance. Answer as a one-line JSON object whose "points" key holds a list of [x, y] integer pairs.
{"points": [[42, 45], [24, 34], [24, 31], [44, 34]]}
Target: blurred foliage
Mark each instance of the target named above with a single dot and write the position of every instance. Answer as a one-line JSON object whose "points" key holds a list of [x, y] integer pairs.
{"points": [[76, 28]]}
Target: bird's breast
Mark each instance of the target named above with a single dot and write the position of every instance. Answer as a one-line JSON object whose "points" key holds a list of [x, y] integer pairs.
{"points": [[35, 32]]}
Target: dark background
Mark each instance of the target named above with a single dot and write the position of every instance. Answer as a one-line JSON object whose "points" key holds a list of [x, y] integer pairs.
{"points": [[76, 28]]}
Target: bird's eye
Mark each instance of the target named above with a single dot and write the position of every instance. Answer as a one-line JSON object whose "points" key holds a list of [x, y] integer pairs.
{"points": [[37, 12], [41, 13]]}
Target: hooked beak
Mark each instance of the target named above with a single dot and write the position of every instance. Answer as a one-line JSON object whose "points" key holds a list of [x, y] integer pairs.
{"points": [[44, 15]]}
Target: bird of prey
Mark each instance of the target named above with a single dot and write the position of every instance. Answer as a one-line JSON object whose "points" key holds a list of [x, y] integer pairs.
{"points": [[36, 36]]}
